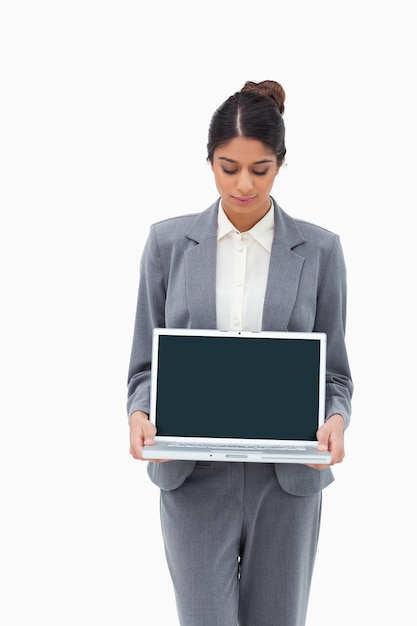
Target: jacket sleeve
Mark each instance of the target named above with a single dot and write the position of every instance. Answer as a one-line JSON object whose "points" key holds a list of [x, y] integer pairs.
{"points": [[331, 319], [150, 314]]}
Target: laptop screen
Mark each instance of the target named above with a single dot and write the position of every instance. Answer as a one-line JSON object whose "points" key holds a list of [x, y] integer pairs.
{"points": [[248, 387]]}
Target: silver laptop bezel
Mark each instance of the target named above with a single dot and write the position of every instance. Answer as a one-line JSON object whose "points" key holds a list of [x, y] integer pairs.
{"points": [[157, 332]]}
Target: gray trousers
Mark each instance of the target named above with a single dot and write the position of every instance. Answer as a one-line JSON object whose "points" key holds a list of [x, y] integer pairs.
{"points": [[240, 550]]}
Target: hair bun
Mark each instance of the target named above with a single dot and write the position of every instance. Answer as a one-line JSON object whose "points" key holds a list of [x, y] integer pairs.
{"points": [[270, 89]]}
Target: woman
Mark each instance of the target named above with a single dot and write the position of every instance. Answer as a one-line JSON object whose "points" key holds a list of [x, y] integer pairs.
{"points": [[241, 538]]}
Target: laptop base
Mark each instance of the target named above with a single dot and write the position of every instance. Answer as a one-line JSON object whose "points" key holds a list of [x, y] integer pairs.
{"points": [[229, 453]]}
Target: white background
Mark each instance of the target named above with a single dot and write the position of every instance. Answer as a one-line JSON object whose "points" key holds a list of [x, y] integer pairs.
{"points": [[104, 112]]}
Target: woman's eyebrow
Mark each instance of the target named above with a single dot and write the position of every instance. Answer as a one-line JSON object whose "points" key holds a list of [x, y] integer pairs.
{"points": [[255, 163]]}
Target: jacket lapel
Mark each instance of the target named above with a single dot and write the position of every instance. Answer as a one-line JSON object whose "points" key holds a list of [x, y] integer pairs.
{"points": [[200, 268], [284, 273]]}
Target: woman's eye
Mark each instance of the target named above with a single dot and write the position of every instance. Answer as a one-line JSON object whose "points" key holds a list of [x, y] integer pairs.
{"points": [[255, 172]]}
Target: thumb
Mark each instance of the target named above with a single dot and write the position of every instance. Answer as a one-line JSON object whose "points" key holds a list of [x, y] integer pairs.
{"points": [[149, 432], [322, 439]]}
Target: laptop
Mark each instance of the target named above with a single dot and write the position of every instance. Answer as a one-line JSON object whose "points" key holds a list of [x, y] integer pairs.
{"points": [[237, 396]]}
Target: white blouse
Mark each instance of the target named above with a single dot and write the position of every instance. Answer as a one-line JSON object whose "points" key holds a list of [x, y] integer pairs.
{"points": [[242, 272]]}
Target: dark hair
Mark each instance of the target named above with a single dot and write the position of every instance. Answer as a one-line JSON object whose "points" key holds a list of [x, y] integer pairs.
{"points": [[255, 112]]}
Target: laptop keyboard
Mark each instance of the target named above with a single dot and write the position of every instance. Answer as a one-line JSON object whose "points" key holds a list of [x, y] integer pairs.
{"points": [[234, 446]]}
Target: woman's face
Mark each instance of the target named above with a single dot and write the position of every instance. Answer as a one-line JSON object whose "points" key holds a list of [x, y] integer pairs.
{"points": [[244, 171]]}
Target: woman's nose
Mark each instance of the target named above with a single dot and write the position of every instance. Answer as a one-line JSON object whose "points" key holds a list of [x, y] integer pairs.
{"points": [[244, 183]]}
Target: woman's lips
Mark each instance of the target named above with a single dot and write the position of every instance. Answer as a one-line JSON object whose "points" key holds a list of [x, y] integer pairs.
{"points": [[242, 199]]}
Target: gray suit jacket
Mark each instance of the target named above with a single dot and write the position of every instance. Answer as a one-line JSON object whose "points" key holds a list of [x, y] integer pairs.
{"points": [[306, 291]]}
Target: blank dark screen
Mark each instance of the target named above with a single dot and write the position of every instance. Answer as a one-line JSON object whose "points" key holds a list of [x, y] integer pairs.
{"points": [[262, 388]]}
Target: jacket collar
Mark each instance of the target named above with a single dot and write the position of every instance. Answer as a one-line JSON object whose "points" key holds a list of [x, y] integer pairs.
{"points": [[287, 232]]}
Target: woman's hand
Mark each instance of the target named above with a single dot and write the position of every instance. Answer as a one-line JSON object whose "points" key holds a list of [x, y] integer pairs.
{"points": [[142, 433], [331, 437]]}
